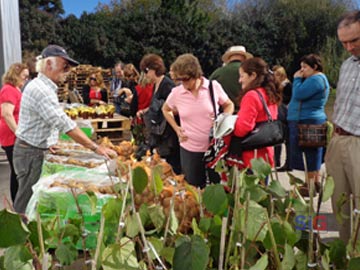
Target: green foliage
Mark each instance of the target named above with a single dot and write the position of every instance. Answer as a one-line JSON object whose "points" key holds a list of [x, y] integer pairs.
{"points": [[140, 179], [280, 31], [215, 199], [191, 254], [19, 231]]}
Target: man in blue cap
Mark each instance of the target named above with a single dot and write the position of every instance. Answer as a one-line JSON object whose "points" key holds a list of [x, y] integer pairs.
{"points": [[41, 118]]}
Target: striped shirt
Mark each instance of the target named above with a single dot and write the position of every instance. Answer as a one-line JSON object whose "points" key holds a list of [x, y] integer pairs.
{"points": [[347, 104], [41, 116]]}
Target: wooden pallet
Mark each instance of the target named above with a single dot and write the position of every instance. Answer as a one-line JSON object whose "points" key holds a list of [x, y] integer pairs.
{"points": [[116, 129]]}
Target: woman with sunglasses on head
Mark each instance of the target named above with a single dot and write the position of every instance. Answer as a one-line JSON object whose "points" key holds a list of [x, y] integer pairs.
{"points": [[94, 91], [10, 96], [191, 100], [160, 134]]}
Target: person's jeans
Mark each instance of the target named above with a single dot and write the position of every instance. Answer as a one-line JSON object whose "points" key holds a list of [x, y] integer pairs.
{"points": [[28, 162], [13, 182]]}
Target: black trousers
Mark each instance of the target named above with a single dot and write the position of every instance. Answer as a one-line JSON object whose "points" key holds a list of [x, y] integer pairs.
{"points": [[194, 169], [13, 181]]}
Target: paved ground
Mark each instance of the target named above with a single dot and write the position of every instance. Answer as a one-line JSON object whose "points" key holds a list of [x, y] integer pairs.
{"points": [[283, 178]]}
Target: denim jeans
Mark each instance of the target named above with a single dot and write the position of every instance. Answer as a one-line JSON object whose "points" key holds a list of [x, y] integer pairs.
{"points": [[28, 162]]}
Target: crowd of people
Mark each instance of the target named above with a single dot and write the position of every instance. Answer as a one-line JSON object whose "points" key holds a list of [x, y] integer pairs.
{"points": [[178, 112]]}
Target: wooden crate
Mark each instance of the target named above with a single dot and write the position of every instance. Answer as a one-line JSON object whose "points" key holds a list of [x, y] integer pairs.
{"points": [[116, 129]]}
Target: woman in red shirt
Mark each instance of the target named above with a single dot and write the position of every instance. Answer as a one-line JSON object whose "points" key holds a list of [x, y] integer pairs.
{"points": [[94, 91], [255, 75], [10, 96]]}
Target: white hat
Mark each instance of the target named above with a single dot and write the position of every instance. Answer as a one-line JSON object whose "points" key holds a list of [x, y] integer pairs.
{"points": [[235, 50]]}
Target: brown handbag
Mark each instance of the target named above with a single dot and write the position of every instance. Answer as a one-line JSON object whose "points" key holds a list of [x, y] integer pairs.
{"points": [[312, 135]]}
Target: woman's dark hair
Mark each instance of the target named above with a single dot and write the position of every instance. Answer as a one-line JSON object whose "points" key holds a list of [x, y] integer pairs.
{"points": [[313, 60], [154, 62], [264, 78]]}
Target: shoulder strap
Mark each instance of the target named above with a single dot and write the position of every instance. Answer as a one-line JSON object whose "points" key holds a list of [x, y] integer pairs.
{"points": [[212, 98], [264, 104]]}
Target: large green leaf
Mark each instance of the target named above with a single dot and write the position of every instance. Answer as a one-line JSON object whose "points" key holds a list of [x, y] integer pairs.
{"points": [[261, 264], [111, 210], [12, 230], [140, 179], [157, 216], [328, 189], [34, 236], [120, 256], [288, 261], [257, 193], [257, 216], [168, 254], [260, 168], [132, 226], [277, 189], [66, 254], [156, 183], [215, 199], [204, 224], [18, 257], [192, 254]]}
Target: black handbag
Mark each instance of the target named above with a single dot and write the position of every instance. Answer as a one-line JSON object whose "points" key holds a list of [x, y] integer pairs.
{"points": [[267, 133]]}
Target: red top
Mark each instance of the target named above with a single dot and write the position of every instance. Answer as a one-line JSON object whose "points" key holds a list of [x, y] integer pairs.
{"points": [[251, 112], [95, 94], [10, 94], [144, 95]]}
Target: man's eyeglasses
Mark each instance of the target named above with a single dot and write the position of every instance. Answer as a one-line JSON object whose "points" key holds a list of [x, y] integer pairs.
{"points": [[92, 79]]}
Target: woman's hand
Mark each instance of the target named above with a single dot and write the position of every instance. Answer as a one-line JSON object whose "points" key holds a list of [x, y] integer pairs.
{"points": [[299, 74], [181, 134]]}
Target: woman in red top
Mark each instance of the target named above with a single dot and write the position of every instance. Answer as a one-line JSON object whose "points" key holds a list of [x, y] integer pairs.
{"points": [[10, 96], [255, 74], [94, 91]]}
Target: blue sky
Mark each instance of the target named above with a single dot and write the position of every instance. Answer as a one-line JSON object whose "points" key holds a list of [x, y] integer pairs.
{"points": [[77, 7]]}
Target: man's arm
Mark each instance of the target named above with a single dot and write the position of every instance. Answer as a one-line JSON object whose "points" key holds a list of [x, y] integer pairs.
{"points": [[80, 137]]}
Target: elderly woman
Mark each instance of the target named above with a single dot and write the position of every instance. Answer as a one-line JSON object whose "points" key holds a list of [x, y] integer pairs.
{"points": [[94, 91], [307, 106], [192, 102], [161, 135], [10, 97]]}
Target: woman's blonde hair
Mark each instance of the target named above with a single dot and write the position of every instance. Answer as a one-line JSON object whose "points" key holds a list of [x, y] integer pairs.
{"points": [[12, 75], [99, 79], [280, 70], [131, 73]]}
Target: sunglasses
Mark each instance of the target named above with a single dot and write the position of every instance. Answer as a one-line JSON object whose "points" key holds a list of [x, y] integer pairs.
{"points": [[183, 79], [146, 70], [93, 79]]}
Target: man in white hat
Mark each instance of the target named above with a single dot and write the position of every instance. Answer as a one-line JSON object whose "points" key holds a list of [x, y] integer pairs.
{"points": [[228, 74]]}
